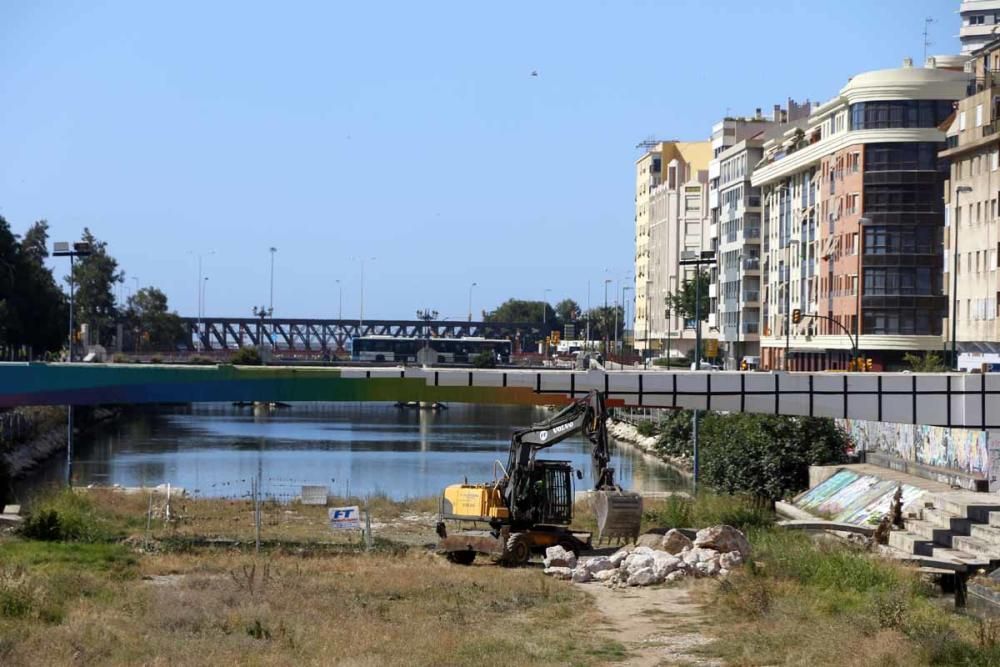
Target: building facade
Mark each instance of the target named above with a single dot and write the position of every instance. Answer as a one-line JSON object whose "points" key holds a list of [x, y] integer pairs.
{"points": [[853, 218], [671, 216], [980, 20], [972, 243], [735, 228]]}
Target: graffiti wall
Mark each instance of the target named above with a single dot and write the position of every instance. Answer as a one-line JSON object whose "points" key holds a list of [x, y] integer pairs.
{"points": [[960, 449], [853, 498]]}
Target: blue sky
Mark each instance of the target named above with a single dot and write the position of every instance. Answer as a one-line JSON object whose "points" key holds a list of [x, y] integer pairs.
{"points": [[411, 132]]}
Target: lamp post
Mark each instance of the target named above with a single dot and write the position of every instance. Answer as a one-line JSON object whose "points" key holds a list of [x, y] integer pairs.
{"points": [[199, 255], [605, 318], [788, 301], [270, 304], [954, 276], [262, 313], [78, 249], [626, 288], [645, 351], [361, 316], [427, 315], [470, 300], [340, 300]]}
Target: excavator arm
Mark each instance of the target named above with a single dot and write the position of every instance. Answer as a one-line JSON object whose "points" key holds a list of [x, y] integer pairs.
{"points": [[618, 512]]}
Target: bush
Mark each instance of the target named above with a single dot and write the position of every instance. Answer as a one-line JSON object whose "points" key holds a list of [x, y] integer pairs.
{"points": [[675, 434], [201, 361], [64, 516], [766, 456], [484, 359], [245, 356], [646, 429]]}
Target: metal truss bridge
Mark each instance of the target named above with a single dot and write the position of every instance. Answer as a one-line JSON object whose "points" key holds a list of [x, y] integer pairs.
{"points": [[332, 336]]}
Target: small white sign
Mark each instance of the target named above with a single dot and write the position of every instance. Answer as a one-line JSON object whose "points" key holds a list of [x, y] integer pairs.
{"points": [[345, 518]]}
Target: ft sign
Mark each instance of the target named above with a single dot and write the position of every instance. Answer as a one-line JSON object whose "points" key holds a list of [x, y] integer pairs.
{"points": [[345, 518]]}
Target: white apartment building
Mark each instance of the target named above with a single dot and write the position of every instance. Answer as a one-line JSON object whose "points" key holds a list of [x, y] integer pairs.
{"points": [[980, 23], [671, 217]]}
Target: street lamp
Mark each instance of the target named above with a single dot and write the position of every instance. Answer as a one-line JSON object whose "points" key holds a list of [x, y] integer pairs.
{"points": [[78, 249], [470, 300], [606, 332], [626, 288], [961, 189], [361, 316], [199, 255], [262, 313], [340, 300], [427, 315], [270, 306], [788, 300]]}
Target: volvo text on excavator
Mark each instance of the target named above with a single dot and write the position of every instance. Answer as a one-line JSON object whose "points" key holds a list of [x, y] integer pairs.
{"points": [[529, 504]]}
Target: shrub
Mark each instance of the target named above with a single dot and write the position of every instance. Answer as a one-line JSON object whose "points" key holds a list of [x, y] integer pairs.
{"points": [[245, 356], [709, 509], [675, 434], [484, 359], [64, 516], [646, 429], [201, 361]]}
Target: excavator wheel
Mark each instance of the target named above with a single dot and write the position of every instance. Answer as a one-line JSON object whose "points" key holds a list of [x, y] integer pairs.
{"points": [[517, 551], [461, 557]]}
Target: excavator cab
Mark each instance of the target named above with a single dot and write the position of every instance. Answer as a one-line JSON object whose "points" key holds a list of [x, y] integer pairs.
{"points": [[545, 494]]}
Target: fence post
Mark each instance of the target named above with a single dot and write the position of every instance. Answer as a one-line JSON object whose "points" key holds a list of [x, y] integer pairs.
{"points": [[368, 529]]}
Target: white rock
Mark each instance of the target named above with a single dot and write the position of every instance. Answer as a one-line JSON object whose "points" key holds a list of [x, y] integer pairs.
{"points": [[665, 565], [675, 575], [637, 562], [643, 551], [597, 564], [558, 572], [723, 572], [606, 575], [707, 568], [730, 560], [581, 575], [651, 540], [619, 556], [642, 577], [675, 541], [723, 539], [559, 557], [697, 555]]}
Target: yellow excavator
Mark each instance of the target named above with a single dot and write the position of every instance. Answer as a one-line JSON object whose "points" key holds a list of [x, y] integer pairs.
{"points": [[529, 504]]}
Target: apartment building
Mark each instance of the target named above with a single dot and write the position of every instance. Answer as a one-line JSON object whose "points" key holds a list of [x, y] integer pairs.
{"points": [[971, 235], [735, 226], [853, 215], [671, 216], [980, 23]]}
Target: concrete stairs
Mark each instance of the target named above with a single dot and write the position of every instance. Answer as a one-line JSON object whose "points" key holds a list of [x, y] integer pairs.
{"points": [[958, 531]]}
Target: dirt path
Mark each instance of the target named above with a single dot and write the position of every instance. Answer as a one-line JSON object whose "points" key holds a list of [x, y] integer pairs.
{"points": [[658, 625]]}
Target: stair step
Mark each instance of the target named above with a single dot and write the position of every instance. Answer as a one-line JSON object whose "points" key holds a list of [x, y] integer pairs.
{"points": [[930, 531], [965, 505], [909, 542], [987, 533], [977, 547], [947, 520], [959, 557]]}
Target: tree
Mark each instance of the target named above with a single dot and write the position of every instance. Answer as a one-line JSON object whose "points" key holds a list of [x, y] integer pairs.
{"points": [[928, 362], [602, 321], [767, 456], [32, 309], [568, 311], [148, 316], [95, 277], [683, 302], [518, 310]]}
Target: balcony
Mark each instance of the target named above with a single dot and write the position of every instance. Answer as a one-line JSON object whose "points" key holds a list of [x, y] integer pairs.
{"points": [[751, 327], [751, 263], [751, 296], [751, 233]]}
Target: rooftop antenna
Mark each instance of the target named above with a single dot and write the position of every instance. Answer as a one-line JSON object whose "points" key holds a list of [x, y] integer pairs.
{"points": [[927, 42]]}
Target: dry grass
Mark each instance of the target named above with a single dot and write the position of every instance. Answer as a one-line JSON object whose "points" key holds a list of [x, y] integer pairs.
{"points": [[377, 609]]}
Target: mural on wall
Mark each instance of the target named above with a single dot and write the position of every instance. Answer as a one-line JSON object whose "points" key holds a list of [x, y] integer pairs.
{"points": [[853, 498], [956, 448]]}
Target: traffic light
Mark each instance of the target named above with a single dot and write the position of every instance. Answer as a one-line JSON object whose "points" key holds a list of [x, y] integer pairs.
{"points": [[796, 316]]}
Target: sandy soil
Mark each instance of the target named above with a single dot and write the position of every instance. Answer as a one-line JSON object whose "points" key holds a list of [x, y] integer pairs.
{"points": [[658, 625]]}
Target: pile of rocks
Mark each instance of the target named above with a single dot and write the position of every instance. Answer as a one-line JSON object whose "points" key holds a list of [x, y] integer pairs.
{"points": [[656, 559]]}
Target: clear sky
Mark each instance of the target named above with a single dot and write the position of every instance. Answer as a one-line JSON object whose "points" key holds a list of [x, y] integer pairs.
{"points": [[412, 132]]}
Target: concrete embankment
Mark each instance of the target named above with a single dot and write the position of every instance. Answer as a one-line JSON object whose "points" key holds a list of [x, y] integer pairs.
{"points": [[42, 434], [626, 433]]}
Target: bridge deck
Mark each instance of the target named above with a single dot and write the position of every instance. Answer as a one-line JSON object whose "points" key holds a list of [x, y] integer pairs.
{"points": [[958, 400]]}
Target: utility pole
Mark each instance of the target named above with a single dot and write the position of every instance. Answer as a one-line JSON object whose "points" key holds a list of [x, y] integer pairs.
{"points": [[470, 300], [605, 318], [340, 301], [270, 304]]}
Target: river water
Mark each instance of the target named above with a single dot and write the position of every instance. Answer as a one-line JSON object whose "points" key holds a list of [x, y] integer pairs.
{"points": [[352, 448]]}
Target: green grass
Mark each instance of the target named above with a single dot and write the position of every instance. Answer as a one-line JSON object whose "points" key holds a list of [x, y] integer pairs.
{"points": [[708, 509], [105, 558]]}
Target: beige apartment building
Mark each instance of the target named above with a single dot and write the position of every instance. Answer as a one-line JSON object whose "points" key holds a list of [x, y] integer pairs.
{"points": [[972, 241], [671, 216]]}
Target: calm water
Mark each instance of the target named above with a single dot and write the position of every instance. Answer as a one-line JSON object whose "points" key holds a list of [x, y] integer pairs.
{"points": [[214, 449]]}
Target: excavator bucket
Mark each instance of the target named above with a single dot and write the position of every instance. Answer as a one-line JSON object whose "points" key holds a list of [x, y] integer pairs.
{"points": [[619, 514]]}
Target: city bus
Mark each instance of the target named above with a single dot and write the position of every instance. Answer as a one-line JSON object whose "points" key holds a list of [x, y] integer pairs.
{"points": [[446, 350]]}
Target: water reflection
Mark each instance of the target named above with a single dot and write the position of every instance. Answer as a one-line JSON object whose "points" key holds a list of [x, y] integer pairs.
{"points": [[211, 449]]}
